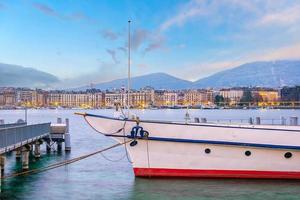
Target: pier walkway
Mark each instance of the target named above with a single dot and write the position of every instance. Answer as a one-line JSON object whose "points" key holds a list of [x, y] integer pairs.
{"points": [[14, 136]]}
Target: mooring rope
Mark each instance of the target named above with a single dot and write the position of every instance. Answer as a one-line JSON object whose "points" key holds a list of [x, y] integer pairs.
{"points": [[62, 163]]}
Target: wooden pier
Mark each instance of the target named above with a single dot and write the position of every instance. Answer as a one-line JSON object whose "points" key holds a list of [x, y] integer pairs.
{"points": [[24, 139]]}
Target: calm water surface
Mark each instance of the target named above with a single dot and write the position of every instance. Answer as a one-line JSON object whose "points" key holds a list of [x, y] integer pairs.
{"points": [[98, 178]]}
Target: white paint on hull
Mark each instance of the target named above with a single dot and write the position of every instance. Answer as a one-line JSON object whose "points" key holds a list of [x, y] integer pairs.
{"points": [[180, 155]]}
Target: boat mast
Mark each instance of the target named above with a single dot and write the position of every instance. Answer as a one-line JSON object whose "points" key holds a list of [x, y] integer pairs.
{"points": [[128, 86]]}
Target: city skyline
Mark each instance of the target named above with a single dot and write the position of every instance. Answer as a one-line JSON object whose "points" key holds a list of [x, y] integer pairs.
{"points": [[85, 41]]}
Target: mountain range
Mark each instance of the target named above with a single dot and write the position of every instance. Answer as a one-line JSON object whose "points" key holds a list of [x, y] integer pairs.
{"points": [[264, 74], [155, 80], [18, 76]]}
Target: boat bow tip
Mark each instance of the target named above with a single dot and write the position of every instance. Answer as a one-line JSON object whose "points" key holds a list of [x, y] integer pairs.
{"points": [[78, 113]]}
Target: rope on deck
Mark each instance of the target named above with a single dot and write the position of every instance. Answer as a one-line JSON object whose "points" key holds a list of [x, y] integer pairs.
{"points": [[62, 163]]}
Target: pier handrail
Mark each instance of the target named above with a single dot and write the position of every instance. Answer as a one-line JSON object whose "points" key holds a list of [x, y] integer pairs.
{"points": [[21, 134], [12, 125]]}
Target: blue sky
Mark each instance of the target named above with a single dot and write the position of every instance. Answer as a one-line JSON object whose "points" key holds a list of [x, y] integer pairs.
{"points": [[85, 41]]}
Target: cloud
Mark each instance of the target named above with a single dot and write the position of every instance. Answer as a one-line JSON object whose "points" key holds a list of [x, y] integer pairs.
{"points": [[109, 34], [186, 12], [80, 16], [235, 11], [123, 49], [141, 65], [45, 9], [2, 6], [112, 53], [144, 41], [157, 42], [106, 71], [139, 37], [287, 16], [194, 71], [74, 16], [286, 52]]}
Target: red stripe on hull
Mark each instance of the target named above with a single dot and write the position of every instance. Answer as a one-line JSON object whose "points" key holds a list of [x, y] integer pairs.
{"points": [[161, 172]]}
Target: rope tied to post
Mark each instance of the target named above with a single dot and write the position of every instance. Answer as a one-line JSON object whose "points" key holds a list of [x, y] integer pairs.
{"points": [[138, 132], [62, 163]]}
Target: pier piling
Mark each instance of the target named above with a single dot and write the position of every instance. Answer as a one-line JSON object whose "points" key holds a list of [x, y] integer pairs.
{"points": [[257, 120], [37, 149], [283, 121], [0, 178], [293, 121], [59, 120], [59, 146], [67, 136], [2, 163], [25, 157], [251, 120], [48, 147], [18, 154], [203, 120]]}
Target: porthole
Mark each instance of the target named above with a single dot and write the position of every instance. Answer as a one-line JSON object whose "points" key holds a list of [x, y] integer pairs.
{"points": [[207, 150], [247, 153], [288, 155]]}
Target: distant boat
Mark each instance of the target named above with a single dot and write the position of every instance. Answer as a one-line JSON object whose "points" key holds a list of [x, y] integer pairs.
{"points": [[170, 149]]}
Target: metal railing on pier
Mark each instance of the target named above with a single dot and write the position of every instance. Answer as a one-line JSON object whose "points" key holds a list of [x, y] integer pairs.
{"points": [[2, 126], [16, 136]]}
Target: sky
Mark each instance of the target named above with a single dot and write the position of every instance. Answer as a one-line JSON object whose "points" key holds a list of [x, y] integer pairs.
{"points": [[86, 41]]}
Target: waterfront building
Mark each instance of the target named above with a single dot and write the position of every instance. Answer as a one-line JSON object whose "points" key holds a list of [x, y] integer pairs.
{"points": [[165, 98], [197, 97], [7, 97], [39, 98], [265, 96], [232, 95], [290, 94], [76, 99], [138, 99]]}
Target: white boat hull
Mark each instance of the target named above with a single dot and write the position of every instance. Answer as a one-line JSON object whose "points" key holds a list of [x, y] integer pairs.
{"points": [[207, 150]]}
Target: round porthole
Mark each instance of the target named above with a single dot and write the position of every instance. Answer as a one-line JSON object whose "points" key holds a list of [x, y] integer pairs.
{"points": [[288, 155], [247, 153], [207, 150]]}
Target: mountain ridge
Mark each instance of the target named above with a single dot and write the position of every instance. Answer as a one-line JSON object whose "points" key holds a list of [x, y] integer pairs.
{"points": [[261, 73], [19, 76]]}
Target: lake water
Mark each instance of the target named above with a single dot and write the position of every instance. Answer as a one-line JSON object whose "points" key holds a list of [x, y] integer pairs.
{"points": [[98, 178]]}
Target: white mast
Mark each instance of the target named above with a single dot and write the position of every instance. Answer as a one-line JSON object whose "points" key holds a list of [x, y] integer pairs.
{"points": [[128, 86]]}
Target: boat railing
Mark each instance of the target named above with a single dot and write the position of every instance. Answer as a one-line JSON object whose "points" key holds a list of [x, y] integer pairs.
{"points": [[252, 120]]}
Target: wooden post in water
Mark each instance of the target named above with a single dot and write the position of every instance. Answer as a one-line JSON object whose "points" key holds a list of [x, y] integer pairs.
{"points": [[293, 121], [2, 163], [37, 149], [48, 147], [0, 179], [18, 154], [25, 157], [67, 136], [59, 120], [197, 120], [283, 121], [203, 120], [250, 120], [257, 119]]}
